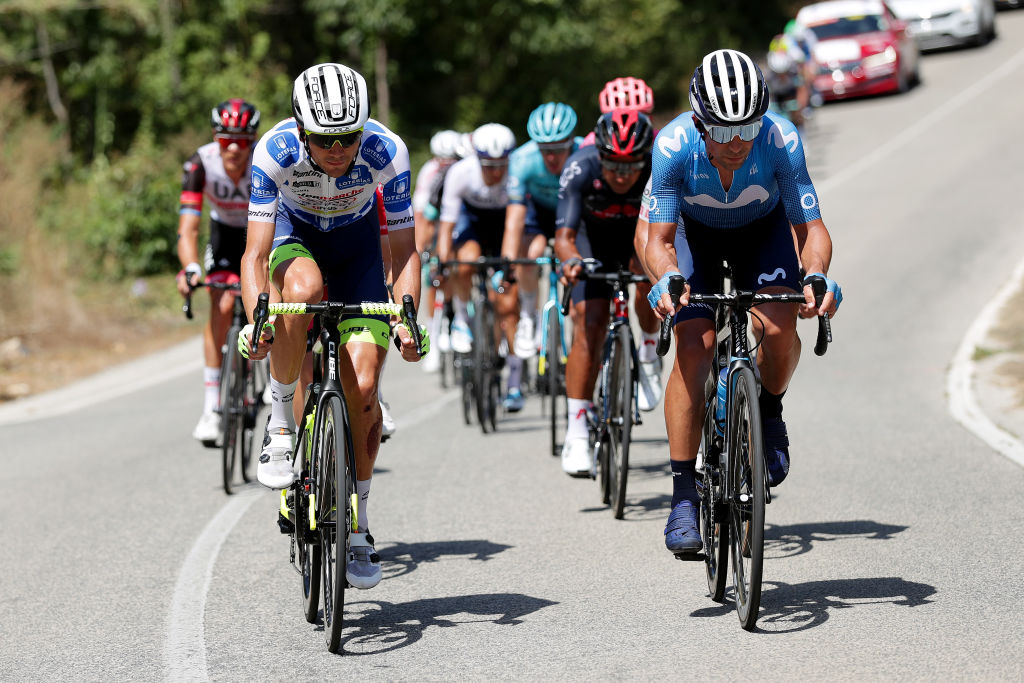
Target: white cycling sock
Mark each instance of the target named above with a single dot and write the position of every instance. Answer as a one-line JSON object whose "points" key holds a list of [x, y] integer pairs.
{"points": [[211, 389], [281, 408], [648, 346], [363, 491], [528, 305], [461, 310], [577, 417]]}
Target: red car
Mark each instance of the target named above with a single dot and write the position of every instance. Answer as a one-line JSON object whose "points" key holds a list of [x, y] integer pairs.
{"points": [[859, 47]]}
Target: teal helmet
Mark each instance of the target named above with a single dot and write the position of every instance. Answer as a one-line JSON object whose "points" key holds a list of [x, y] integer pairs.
{"points": [[551, 122]]}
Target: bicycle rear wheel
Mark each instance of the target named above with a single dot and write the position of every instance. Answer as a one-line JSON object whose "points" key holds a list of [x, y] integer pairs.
{"points": [[714, 526], [251, 401], [619, 394], [483, 336], [307, 539], [747, 487], [232, 420], [555, 372], [335, 487], [465, 373]]}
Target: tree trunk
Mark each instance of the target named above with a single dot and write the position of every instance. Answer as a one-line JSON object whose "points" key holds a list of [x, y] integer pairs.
{"points": [[383, 113], [49, 74]]}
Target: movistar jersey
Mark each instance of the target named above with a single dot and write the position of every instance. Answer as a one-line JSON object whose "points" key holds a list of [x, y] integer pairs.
{"points": [[528, 176], [683, 180], [284, 179]]}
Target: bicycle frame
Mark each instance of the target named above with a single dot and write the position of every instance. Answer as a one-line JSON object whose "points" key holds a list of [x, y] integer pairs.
{"points": [[552, 302]]}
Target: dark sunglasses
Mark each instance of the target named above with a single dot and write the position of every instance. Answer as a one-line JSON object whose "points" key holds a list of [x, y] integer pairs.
{"points": [[555, 147], [328, 141], [226, 141], [623, 167]]}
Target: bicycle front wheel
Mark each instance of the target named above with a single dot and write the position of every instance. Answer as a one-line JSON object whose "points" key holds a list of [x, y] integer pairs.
{"points": [[747, 494], [307, 540], [232, 421], [620, 383], [483, 336], [335, 488], [714, 526], [555, 372]]}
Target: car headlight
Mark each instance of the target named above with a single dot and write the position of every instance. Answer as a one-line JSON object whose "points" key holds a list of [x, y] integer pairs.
{"points": [[887, 56]]}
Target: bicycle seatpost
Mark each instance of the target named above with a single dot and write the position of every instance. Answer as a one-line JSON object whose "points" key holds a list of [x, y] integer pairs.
{"points": [[676, 285], [259, 316]]}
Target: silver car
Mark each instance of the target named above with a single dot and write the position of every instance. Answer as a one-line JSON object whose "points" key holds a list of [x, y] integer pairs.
{"points": [[948, 23]]}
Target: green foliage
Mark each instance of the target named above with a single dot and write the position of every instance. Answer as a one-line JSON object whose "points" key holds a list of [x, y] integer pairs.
{"points": [[9, 261]]}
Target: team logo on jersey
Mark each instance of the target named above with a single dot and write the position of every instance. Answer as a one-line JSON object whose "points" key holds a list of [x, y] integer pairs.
{"points": [[359, 175], [674, 143], [396, 193], [378, 150], [568, 173], [754, 193], [771, 277], [284, 148], [808, 201], [263, 188], [782, 141]]}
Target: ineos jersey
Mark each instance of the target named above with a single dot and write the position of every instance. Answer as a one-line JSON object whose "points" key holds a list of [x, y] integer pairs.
{"points": [[585, 196], [284, 179], [205, 175], [684, 181], [465, 183]]}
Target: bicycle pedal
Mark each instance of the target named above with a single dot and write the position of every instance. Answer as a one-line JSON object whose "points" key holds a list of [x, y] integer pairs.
{"points": [[695, 556], [284, 524]]}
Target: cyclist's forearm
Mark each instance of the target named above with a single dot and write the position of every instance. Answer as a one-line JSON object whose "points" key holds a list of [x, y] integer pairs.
{"points": [[515, 223], [444, 240], [815, 246], [660, 255], [188, 238], [565, 244], [255, 264], [405, 264], [640, 239]]}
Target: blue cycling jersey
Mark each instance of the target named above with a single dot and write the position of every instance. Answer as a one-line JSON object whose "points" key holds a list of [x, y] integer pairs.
{"points": [[527, 176], [684, 181]]}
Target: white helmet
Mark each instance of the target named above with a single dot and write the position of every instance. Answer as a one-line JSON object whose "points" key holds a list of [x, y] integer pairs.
{"points": [[330, 99], [445, 144], [465, 145], [493, 141]]}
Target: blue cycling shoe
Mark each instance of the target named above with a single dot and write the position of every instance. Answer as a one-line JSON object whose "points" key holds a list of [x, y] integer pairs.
{"points": [[776, 449], [681, 533], [514, 401]]}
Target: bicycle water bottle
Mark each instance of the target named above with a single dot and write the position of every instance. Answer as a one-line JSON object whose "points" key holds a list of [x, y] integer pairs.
{"points": [[720, 401]]}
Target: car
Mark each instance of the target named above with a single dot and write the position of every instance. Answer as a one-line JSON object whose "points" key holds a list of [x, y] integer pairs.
{"points": [[948, 23], [859, 47]]}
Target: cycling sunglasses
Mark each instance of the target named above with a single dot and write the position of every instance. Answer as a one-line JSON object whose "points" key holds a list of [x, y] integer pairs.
{"points": [[724, 134], [328, 141], [226, 141], [623, 167], [562, 146]]}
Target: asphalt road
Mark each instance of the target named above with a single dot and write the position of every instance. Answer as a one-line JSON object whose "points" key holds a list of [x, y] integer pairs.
{"points": [[893, 547]]}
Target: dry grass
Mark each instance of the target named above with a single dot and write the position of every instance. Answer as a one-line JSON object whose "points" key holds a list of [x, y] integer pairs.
{"points": [[1008, 334]]}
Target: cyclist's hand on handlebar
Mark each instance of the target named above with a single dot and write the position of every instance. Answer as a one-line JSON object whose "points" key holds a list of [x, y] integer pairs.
{"points": [[661, 300], [408, 345], [188, 278], [571, 271], [263, 348], [829, 303]]}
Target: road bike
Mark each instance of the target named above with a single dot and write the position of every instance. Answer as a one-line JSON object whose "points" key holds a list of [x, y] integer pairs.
{"points": [[615, 406], [554, 351], [242, 383], [321, 508], [732, 480]]}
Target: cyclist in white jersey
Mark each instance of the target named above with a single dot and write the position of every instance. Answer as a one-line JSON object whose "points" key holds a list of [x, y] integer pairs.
{"points": [[313, 215], [218, 171]]}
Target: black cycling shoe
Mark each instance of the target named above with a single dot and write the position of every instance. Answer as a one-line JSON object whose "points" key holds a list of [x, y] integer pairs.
{"points": [[776, 449]]}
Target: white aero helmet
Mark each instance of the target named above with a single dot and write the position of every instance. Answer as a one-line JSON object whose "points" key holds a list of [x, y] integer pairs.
{"points": [[728, 89], [445, 144], [493, 141], [330, 99]]}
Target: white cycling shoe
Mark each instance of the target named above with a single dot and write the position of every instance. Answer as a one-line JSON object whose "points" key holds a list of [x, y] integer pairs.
{"points": [[525, 343], [577, 458], [208, 429], [650, 385], [461, 337], [388, 423], [363, 567], [275, 468]]}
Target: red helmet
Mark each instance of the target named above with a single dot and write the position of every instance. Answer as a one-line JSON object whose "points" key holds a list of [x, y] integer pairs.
{"points": [[626, 93], [623, 133], [235, 116]]}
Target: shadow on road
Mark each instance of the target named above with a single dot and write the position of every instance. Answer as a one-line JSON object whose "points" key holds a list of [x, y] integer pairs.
{"points": [[375, 627], [789, 608], [401, 558], [796, 539]]}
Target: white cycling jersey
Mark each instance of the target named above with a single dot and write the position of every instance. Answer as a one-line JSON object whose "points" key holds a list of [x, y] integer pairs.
{"points": [[205, 176], [465, 183], [284, 178], [425, 184]]}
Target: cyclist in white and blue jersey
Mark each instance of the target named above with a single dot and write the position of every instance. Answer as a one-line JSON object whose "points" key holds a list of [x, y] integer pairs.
{"points": [[533, 174], [728, 181], [313, 216]]}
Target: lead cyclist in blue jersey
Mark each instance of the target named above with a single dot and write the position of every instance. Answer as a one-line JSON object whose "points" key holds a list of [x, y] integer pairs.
{"points": [[728, 181], [313, 215]]}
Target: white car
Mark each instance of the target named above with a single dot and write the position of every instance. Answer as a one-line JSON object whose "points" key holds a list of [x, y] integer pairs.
{"points": [[948, 23]]}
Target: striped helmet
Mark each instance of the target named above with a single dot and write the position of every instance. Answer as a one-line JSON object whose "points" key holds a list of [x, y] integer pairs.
{"points": [[551, 122], [330, 99], [626, 93], [728, 89], [235, 116]]}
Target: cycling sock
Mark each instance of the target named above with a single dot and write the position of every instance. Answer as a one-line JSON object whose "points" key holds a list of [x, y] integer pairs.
{"points": [[683, 486], [577, 427], [461, 311], [515, 371], [211, 387], [771, 404], [363, 491], [648, 346], [528, 305], [281, 408]]}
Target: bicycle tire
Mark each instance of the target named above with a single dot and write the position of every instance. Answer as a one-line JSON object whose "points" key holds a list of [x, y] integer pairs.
{"points": [[747, 488], [251, 401], [230, 412], [714, 527], [483, 332], [335, 486], [306, 541], [621, 381], [466, 383], [555, 371]]}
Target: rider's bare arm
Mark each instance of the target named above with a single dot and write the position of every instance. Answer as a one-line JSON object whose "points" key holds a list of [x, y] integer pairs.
{"points": [[256, 262]]}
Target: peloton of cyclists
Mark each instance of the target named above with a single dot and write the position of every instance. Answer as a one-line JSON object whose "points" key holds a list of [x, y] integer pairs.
{"points": [[218, 171], [313, 215], [728, 180]]}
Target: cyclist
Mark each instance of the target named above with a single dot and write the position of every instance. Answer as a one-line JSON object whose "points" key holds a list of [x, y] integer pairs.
{"points": [[219, 171], [728, 179], [446, 148], [624, 93], [473, 211], [785, 77], [533, 173], [598, 205], [313, 215]]}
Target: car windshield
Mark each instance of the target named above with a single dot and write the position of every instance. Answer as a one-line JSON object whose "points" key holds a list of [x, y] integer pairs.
{"points": [[848, 26]]}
